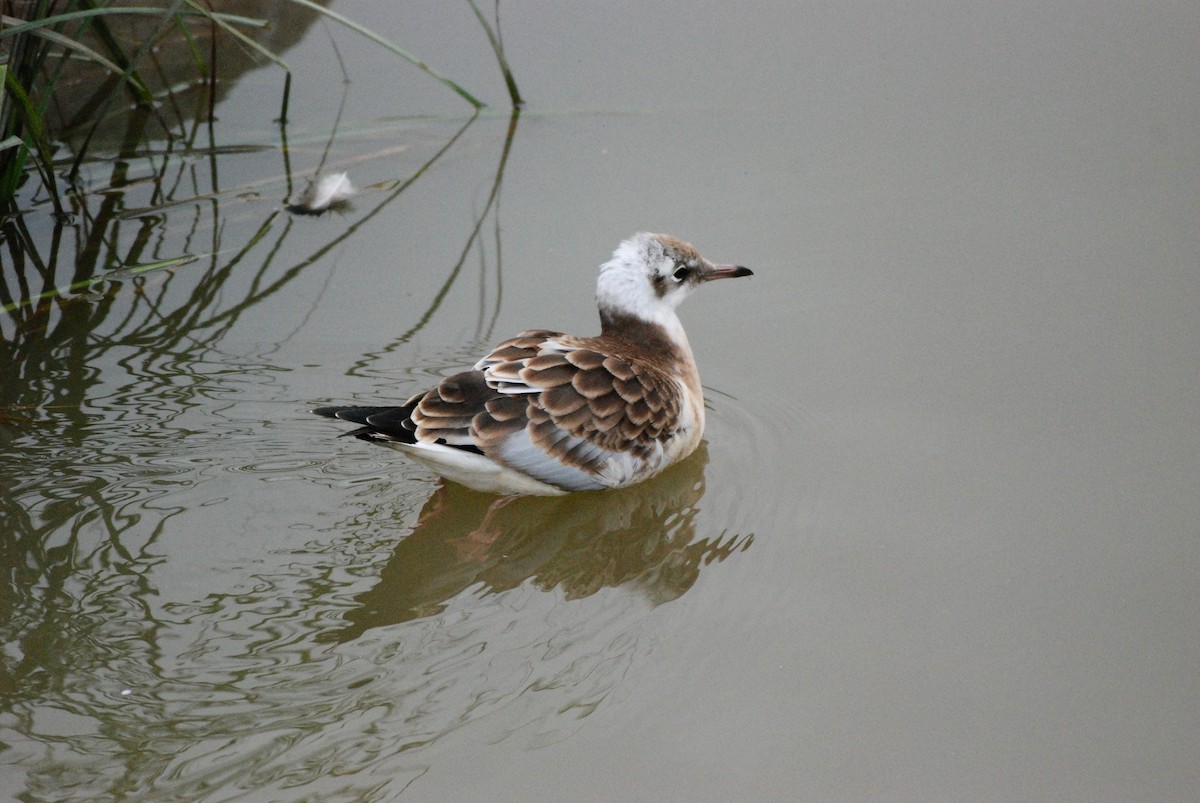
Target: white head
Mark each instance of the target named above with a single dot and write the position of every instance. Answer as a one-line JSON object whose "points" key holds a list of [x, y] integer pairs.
{"points": [[649, 274]]}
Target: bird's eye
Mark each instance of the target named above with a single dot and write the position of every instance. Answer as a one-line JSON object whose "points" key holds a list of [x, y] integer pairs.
{"points": [[681, 273]]}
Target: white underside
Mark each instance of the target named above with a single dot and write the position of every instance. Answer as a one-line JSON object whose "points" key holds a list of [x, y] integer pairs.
{"points": [[474, 470]]}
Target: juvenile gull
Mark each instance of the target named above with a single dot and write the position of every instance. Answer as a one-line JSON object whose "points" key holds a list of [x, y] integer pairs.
{"points": [[549, 413]]}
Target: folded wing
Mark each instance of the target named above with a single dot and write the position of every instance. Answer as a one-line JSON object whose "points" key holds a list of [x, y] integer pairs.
{"points": [[567, 411]]}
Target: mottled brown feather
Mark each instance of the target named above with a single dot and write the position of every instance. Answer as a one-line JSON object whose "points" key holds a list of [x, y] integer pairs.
{"points": [[446, 422], [543, 362], [580, 422], [434, 406], [638, 412], [506, 408], [561, 400], [508, 351], [577, 398], [487, 431], [593, 383], [585, 359], [619, 369], [631, 390], [508, 371], [630, 431], [450, 390], [548, 375], [606, 406]]}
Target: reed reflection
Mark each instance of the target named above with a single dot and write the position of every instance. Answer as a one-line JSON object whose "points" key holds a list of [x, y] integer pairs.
{"points": [[108, 376]]}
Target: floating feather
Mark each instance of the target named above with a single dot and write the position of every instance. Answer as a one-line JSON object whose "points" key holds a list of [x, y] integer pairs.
{"points": [[325, 192]]}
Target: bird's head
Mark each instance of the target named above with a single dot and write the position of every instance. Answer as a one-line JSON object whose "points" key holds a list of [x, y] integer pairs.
{"points": [[650, 274]]}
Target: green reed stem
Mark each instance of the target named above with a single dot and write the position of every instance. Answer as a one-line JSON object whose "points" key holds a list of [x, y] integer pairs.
{"points": [[399, 51]]}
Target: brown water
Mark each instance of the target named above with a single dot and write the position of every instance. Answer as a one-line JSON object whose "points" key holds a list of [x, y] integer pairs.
{"points": [[943, 541]]}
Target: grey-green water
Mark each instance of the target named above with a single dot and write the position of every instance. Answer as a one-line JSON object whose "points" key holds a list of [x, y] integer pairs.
{"points": [[943, 541]]}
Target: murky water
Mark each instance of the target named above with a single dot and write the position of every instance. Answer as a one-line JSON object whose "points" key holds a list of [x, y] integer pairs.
{"points": [[942, 541]]}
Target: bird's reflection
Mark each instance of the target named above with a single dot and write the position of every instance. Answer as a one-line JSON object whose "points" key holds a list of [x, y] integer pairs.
{"points": [[643, 536]]}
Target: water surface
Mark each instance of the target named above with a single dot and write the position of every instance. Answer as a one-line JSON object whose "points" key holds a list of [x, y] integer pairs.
{"points": [[941, 542]]}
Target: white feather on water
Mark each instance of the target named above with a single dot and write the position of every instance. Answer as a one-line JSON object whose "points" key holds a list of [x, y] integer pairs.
{"points": [[325, 192]]}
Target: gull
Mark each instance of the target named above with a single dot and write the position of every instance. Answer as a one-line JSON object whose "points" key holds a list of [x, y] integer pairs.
{"points": [[547, 413]]}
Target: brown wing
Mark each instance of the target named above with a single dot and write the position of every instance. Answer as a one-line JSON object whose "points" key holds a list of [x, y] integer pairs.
{"points": [[581, 393], [571, 412]]}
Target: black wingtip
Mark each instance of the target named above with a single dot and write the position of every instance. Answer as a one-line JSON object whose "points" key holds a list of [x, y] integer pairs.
{"points": [[328, 412], [355, 415], [375, 423]]}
